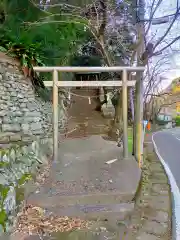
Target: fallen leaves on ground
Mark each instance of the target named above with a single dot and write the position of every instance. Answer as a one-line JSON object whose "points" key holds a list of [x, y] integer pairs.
{"points": [[35, 220], [42, 176]]}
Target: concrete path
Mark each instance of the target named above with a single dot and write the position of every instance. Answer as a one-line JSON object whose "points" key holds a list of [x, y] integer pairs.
{"points": [[83, 176], [86, 185], [91, 180]]}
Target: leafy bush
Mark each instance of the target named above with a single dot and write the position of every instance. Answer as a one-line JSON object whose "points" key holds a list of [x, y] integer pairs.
{"points": [[26, 34], [85, 60], [177, 120]]}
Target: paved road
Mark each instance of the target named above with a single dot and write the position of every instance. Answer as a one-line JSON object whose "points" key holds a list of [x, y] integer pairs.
{"points": [[168, 145]]}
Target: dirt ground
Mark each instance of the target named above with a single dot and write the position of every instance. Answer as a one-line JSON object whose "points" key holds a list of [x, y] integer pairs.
{"points": [[83, 117]]}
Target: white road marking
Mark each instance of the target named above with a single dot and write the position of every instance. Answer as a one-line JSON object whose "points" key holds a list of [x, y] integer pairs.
{"points": [[111, 161], [174, 189], [174, 135]]}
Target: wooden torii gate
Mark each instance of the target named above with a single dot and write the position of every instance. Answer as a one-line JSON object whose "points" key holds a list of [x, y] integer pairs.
{"points": [[124, 84]]}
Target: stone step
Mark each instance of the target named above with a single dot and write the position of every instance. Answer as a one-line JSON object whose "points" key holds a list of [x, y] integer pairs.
{"points": [[113, 197], [98, 231], [102, 212]]}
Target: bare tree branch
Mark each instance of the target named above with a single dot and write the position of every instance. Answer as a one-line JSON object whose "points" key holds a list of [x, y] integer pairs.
{"points": [[152, 14], [165, 105], [167, 46], [168, 29], [58, 5]]}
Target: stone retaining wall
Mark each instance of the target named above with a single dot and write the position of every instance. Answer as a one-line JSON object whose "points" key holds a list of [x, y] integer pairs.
{"points": [[19, 165], [22, 113], [25, 134]]}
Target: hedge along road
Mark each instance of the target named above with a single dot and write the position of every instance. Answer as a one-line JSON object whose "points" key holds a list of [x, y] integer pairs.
{"points": [[167, 147]]}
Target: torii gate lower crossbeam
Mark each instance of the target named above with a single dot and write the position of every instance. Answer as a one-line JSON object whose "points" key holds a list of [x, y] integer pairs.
{"points": [[55, 84]]}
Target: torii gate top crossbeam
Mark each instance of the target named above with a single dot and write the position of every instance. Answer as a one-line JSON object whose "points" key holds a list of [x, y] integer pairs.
{"points": [[89, 69]]}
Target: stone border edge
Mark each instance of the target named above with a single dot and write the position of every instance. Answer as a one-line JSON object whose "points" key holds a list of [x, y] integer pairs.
{"points": [[175, 192]]}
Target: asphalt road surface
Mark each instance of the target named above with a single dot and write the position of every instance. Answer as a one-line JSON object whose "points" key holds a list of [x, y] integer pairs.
{"points": [[168, 145]]}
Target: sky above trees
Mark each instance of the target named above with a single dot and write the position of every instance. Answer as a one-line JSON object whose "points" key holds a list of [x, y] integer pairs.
{"points": [[171, 55]]}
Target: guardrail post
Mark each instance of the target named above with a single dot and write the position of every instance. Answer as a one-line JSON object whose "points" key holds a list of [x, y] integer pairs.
{"points": [[55, 115], [125, 117]]}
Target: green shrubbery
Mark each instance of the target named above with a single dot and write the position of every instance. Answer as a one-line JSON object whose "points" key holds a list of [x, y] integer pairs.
{"points": [[37, 37], [177, 120]]}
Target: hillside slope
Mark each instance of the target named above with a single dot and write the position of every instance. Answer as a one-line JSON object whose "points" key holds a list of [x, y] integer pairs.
{"points": [[166, 102]]}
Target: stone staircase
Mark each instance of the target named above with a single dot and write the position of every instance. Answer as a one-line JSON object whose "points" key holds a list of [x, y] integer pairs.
{"points": [[109, 206], [84, 184], [91, 180], [101, 212]]}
